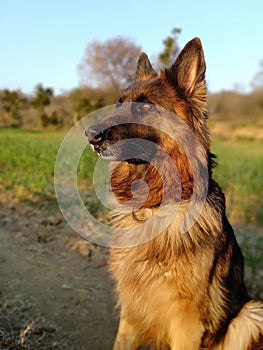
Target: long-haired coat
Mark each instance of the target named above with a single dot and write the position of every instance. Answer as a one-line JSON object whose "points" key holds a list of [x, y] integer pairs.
{"points": [[176, 289]]}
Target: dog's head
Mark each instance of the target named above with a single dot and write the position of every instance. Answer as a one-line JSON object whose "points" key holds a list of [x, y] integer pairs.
{"points": [[141, 128]]}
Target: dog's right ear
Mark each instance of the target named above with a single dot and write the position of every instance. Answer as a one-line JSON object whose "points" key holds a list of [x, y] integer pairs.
{"points": [[144, 69]]}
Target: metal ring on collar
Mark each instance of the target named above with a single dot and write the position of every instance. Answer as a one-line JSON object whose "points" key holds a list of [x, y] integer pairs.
{"points": [[137, 219]]}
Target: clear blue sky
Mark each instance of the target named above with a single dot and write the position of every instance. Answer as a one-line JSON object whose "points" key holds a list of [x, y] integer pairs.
{"points": [[44, 41]]}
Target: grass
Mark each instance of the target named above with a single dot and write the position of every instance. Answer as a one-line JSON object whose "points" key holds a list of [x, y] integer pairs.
{"points": [[239, 173], [27, 161]]}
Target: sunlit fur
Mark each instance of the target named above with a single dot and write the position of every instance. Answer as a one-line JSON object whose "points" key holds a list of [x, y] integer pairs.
{"points": [[177, 290]]}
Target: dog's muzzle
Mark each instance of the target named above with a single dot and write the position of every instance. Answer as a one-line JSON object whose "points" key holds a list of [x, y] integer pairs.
{"points": [[94, 134]]}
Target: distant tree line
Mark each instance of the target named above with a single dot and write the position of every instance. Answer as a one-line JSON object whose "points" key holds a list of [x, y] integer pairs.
{"points": [[107, 68], [239, 109], [43, 109]]}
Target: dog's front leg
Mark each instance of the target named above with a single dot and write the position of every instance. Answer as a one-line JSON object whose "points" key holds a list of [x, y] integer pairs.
{"points": [[127, 337]]}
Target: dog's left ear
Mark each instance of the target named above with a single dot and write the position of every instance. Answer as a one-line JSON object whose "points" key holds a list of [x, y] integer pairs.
{"points": [[187, 74], [144, 69]]}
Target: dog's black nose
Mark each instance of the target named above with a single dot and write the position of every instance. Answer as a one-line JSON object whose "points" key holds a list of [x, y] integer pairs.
{"points": [[93, 133]]}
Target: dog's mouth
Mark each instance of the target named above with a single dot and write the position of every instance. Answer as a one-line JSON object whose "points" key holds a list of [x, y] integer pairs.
{"points": [[102, 147], [130, 149], [97, 141]]}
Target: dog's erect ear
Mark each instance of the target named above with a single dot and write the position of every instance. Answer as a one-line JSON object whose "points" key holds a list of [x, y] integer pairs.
{"points": [[187, 74], [144, 69]]}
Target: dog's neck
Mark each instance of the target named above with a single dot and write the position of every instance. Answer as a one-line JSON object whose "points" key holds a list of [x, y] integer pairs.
{"points": [[149, 186]]}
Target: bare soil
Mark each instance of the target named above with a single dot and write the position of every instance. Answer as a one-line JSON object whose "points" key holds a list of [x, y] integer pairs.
{"points": [[55, 291]]}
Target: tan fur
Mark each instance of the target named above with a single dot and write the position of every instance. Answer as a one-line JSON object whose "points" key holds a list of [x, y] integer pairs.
{"points": [[174, 257], [163, 298], [166, 292], [245, 329]]}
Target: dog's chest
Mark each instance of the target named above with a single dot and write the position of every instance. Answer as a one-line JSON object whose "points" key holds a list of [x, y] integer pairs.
{"points": [[156, 285], [158, 297]]}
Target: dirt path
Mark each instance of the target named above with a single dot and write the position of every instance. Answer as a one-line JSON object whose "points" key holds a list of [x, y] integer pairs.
{"points": [[55, 292]]}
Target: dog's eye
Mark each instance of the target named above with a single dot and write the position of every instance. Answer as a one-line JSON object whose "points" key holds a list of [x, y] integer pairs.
{"points": [[144, 107]]}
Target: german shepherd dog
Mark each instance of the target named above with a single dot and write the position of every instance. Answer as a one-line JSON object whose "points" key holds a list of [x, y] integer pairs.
{"points": [[177, 289]]}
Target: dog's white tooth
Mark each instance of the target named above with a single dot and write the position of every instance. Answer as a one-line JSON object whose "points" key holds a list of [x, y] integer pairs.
{"points": [[92, 147]]}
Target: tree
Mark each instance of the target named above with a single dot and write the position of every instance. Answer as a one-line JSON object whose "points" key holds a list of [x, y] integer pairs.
{"points": [[257, 82], [42, 99], [42, 96], [12, 102], [79, 104], [171, 48], [110, 64]]}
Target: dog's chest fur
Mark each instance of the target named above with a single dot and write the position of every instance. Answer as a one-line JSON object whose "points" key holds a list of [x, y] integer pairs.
{"points": [[167, 279]]}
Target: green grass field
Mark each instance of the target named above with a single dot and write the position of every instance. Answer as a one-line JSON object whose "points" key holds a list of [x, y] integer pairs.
{"points": [[27, 161], [240, 174]]}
